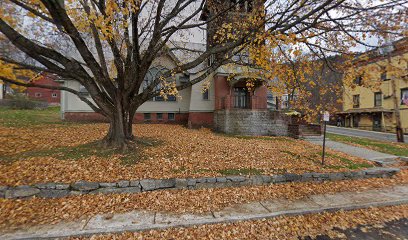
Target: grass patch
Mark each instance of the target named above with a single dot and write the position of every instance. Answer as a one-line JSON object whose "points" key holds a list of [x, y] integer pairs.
{"points": [[24, 118], [347, 163], [129, 157], [398, 149], [241, 171]]}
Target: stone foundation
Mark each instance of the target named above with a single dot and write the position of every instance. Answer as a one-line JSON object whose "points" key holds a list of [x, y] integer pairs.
{"points": [[57, 190], [250, 122]]}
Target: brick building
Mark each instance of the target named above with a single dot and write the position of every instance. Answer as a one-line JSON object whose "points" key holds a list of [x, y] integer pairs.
{"points": [[52, 97]]}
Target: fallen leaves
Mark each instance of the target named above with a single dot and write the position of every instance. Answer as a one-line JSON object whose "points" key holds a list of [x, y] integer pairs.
{"points": [[179, 152], [286, 227], [18, 213]]}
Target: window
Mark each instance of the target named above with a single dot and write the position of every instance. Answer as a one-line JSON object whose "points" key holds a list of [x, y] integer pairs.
{"points": [[245, 5], [37, 94], [159, 99], [83, 91], [171, 116], [151, 75], [211, 60], [356, 101], [171, 98], [384, 75], [205, 95], [404, 96], [159, 116], [358, 80], [147, 116], [377, 99], [54, 95]]}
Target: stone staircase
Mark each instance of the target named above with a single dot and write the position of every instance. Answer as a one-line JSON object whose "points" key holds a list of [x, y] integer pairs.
{"points": [[310, 130]]}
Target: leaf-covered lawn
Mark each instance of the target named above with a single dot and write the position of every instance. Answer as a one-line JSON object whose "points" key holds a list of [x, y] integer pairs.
{"points": [[47, 152], [398, 149]]}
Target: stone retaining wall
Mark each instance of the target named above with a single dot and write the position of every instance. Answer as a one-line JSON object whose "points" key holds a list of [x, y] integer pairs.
{"points": [[57, 190], [253, 122]]}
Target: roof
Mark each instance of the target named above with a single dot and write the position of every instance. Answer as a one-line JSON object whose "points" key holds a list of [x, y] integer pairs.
{"points": [[366, 110]]}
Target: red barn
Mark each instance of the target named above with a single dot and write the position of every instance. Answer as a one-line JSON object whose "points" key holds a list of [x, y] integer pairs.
{"points": [[53, 97]]}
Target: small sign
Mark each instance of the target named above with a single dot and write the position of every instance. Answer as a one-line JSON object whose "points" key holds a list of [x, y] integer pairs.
{"points": [[326, 116]]}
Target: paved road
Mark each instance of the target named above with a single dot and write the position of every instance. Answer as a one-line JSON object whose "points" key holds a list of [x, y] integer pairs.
{"points": [[365, 153], [362, 133], [397, 229]]}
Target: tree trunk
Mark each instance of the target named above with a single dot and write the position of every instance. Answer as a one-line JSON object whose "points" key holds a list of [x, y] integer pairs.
{"points": [[120, 133]]}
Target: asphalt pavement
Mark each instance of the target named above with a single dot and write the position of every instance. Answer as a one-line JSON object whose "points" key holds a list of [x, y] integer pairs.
{"points": [[391, 137]]}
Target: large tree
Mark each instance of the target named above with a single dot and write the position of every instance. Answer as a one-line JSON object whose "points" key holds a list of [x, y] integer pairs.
{"points": [[108, 46]]}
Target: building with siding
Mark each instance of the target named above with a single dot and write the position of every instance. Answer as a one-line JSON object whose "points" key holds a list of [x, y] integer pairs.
{"points": [[214, 107], [373, 108]]}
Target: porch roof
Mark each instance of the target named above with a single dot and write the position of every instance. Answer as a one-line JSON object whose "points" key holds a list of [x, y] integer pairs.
{"points": [[367, 110]]}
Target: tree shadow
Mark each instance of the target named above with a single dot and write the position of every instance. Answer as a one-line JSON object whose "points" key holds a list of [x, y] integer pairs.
{"points": [[72, 153]]}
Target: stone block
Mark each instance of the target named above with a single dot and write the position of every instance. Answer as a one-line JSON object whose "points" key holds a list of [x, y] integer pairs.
{"points": [[61, 186], [266, 178], [236, 178], [108, 185], [166, 183], [306, 177], [201, 180], [53, 193], [21, 192], [46, 186], [357, 175], [3, 188], [123, 184], [148, 184], [134, 183], [291, 177], [205, 185], [256, 180], [348, 174], [191, 182], [381, 171], [85, 186], [211, 180], [321, 176], [278, 178], [221, 179], [336, 176], [181, 183]]}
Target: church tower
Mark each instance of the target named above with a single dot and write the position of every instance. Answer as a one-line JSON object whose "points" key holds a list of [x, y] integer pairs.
{"points": [[228, 19]]}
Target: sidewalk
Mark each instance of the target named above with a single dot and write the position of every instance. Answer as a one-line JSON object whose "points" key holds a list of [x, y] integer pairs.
{"points": [[145, 220], [365, 153]]}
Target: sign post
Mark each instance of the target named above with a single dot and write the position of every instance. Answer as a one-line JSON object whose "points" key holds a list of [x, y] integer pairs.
{"points": [[326, 118]]}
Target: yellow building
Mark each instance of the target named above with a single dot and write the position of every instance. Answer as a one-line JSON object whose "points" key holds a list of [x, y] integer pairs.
{"points": [[370, 104]]}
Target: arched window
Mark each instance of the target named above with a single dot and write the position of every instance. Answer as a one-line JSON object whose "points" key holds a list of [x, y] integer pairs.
{"points": [[153, 74]]}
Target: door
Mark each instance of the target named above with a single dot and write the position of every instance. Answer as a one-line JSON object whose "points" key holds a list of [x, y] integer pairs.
{"points": [[241, 97], [377, 122], [356, 121]]}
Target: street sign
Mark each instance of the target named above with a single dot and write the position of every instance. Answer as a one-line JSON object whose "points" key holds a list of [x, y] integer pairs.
{"points": [[326, 116]]}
